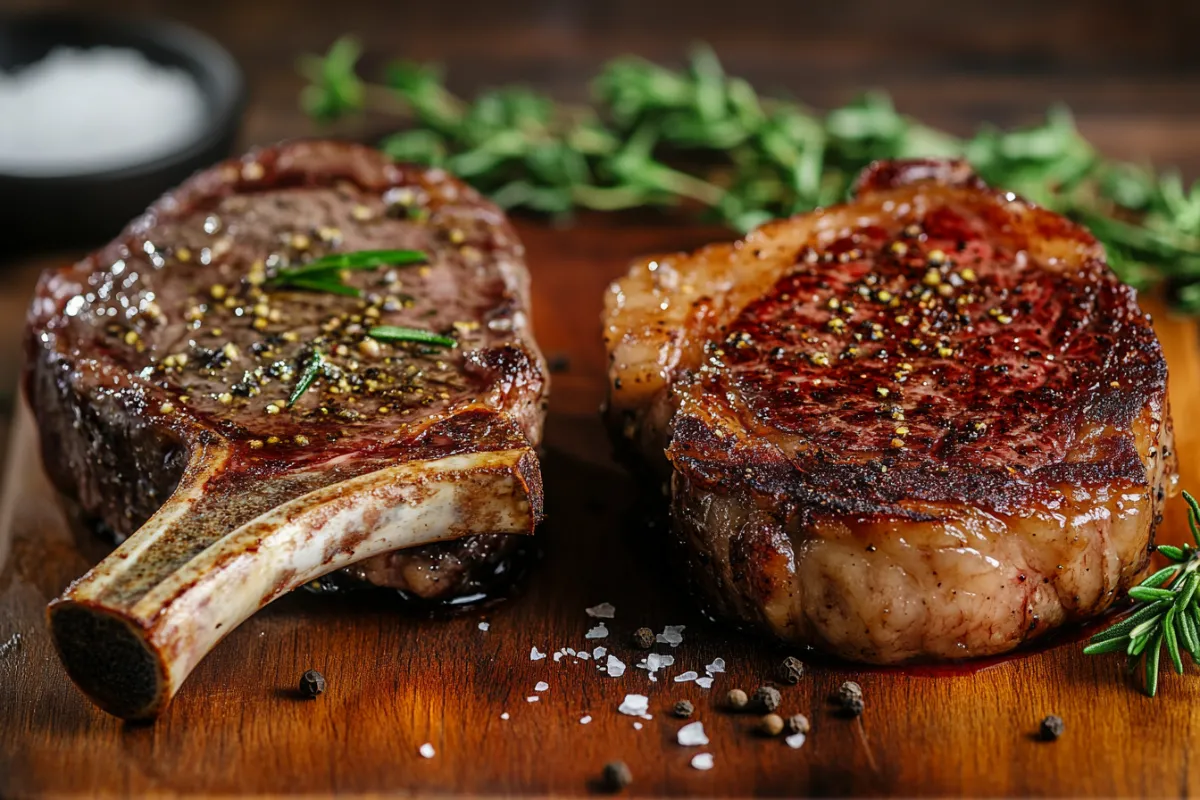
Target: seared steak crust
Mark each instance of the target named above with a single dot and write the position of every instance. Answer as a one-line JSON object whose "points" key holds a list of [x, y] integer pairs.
{"points": [[173, 332], [929, 423]]}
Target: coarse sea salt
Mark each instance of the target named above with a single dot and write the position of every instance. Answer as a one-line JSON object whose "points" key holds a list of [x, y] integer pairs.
{"points": [[682, 677], [558, 656], [704, 683], [602, 611], [599, 651], [614, 666], [718, 665], [533, 698], [83, 110], [672, 635], [504, 715], [583, 655], [427, 750], [692, 734], [534, 655], [483, 626], [635, 705], [654, 662], [598, 632], [795, 741], [702, 761], [585, 719], [637, 726], [541, 686]]}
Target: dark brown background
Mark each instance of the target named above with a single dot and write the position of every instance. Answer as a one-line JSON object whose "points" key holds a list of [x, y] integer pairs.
{"points": [[1131, 72]]}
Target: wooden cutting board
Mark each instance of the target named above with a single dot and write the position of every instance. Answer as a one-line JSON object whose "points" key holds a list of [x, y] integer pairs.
{"points": [[398, 680]]}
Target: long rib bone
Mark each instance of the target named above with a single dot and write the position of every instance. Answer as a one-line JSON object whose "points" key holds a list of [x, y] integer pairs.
{"points": [[132, 629]]}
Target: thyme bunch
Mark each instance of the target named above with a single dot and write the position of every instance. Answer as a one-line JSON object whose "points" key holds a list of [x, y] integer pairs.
{"points": [[1167, 612], [657, 137]]}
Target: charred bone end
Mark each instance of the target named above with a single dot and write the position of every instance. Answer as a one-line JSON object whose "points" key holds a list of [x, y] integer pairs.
{"points": [[109, 657]]}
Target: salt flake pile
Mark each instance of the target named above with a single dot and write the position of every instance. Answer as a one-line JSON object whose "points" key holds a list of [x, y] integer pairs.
{"points": [[101, 108]]}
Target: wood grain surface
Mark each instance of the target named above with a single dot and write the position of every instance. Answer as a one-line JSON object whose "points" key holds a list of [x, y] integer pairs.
{"points": [[398, 680], [1131, 72]]}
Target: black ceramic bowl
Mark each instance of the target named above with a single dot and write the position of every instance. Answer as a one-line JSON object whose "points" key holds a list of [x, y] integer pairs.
{"points": [[74, 210]]}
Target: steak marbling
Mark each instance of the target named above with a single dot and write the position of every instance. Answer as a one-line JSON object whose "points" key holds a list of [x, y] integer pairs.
{"points": [[927, 424], [160, 370]]}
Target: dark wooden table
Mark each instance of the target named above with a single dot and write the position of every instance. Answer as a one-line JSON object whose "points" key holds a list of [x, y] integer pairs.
{"points": [[1131, 72]]}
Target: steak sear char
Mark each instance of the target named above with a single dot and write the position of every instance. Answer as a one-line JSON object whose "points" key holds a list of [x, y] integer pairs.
{"points": [[160, 372], [928, 424]]}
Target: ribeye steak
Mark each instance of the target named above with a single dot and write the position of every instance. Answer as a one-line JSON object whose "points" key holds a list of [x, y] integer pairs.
{"points": [[927, 424], [160, 372]]}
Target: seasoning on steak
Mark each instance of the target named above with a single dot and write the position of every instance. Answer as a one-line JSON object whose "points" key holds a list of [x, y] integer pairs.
{"points": [[927, 424], [160, 371]]}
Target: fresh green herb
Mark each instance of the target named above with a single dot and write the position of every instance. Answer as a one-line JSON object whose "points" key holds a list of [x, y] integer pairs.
{"points": [[660, 137], [324, 274], [392, 333], [1167, 612], [312, 368]]}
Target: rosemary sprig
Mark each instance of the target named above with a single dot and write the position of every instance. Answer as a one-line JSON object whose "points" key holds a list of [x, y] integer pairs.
{"points": [[314, 366], [393, 333], [659, 137], [1167, 612], [323, 274]]}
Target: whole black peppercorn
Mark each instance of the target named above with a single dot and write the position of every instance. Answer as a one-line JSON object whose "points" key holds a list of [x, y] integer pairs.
{"points": [[791, 670], [767, 698], [848, 691], [616, 776], [312, 683], [643, 638], [798, 723], [684, 709], [1052, 728]]}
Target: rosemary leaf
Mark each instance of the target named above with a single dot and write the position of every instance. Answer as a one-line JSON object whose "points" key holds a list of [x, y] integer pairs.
{"points": [[1172, 552], [1146, 627], [1187, 592], [1188, 628], [392, 333], [360, 259], [1193, 516], [1117, 644], [1159, 578], [1172, 642], [1152, 656], [1126, 625], [1148, 594], [313, 368]]}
